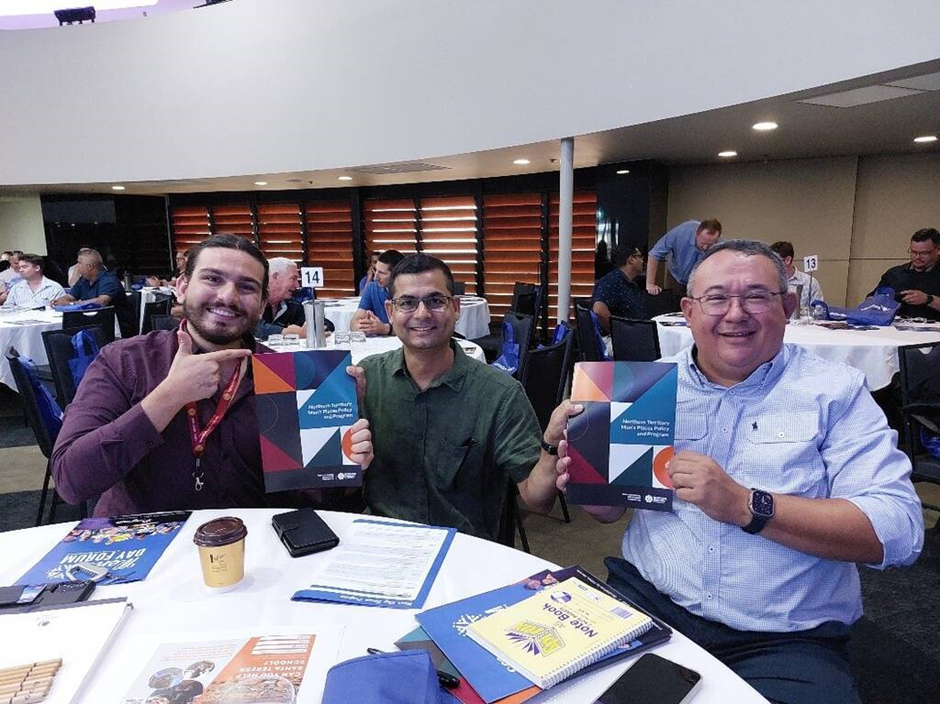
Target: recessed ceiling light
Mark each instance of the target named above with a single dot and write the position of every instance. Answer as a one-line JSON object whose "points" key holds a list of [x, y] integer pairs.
{"points": [[344, 178], [727, 154], [261, 183], [926, 138], [764, 126], [521, 162], [117, 188], [623, 171]]}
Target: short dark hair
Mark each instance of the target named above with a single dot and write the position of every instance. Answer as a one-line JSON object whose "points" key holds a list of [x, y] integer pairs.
{"points": [[783, 249], [622, 252], [17, 252], [225, 241], [927, 233], [749, 248], [391, 257], [33, 259], [709, 224], [418, 264]]}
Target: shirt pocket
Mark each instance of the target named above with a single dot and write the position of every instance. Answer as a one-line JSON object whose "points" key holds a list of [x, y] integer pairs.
{"points": [[691, 424], [460, 466], [782, 454]]}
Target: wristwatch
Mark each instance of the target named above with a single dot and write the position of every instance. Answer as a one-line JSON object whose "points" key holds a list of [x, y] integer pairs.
{"points": [[929, 299], [550, 449], [761, 505]]}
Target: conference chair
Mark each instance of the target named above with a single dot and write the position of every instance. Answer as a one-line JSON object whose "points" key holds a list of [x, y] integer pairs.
{"points": [[634, 340], [102, 317], [666, 302], [586, 327], [920, 408], [511, 520], [162, 321], [527, 300], [159, 306], [545, 381], [460, 288], [61, 351]]}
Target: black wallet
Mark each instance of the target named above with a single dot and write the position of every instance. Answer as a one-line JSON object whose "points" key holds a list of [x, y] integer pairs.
{"points": [[303, 532]]}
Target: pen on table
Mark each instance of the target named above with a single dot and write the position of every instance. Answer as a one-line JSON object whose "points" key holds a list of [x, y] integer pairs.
{"points": [[446, 680]]}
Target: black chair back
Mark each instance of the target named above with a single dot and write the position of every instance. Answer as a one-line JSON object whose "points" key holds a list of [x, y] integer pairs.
{"points": [[60, 351], [160, 306], [44, 437], [522, 328], [587, 341], [460, 288], [165, 322], [102, 317], [527, 299], [920, 403], [547, 375], [666, 302], [634, 340]]}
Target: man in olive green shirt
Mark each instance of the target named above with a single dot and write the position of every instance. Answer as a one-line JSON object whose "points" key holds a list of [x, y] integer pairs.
{"points": [[448, 431]]}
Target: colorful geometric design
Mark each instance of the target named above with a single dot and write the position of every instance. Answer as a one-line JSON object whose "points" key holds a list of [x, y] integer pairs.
{"points": [[620, 444], [306, 403]]}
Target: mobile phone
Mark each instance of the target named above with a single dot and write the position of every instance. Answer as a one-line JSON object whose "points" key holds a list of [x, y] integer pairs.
{"points": [[303, 532], [653, 680]]}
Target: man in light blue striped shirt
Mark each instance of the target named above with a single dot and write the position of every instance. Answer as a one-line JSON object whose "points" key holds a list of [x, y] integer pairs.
{"points": [[786, 475]]}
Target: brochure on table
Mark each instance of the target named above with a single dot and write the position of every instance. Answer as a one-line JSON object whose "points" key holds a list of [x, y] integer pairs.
{"points": [[306, 403], [620, 445], [279, 666], [127, 546], [382, 563]]}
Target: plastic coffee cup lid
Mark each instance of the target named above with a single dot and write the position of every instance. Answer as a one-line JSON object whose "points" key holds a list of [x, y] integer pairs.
{"points": [[219, 532]]}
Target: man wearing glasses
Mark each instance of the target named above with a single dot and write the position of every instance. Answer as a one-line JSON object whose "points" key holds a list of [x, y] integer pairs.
{"points": [[786, 475], [450, 432], [616, 293], [917, 284]]}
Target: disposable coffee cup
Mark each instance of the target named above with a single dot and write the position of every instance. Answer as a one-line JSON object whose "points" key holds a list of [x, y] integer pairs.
{"points": [[221, 544]]}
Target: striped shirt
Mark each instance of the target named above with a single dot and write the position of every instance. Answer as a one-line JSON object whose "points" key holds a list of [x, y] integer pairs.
{"points": [[22, 296], [801, 426]]}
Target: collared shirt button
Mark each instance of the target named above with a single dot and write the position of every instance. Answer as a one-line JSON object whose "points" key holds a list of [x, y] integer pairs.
{"points": [[711, 548], [724, 430], [708, 596]]}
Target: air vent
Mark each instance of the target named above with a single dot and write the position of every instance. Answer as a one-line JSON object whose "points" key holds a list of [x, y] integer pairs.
{"points": [[929, 81], [409, 167], [860, 96]]}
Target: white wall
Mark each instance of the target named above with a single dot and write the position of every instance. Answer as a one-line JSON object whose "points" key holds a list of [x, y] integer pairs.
{"points": [[267, 86], [21, 224]]}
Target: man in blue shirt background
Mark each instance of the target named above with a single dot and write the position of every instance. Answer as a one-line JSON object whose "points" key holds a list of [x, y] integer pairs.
{"points": [[786, 474], [685, 245], [101, 286], [616, 293], [371, 317]]}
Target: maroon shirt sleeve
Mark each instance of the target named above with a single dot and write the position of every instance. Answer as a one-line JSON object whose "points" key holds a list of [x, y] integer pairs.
{"points": [[105, 432]]}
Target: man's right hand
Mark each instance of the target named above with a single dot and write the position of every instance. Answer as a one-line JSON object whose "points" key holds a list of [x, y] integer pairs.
{"points": [[371, 325], [653, 289], [193, 377]]}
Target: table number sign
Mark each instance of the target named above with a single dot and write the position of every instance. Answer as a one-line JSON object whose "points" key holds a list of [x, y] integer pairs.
{"points": [[311, 276], [811, 263]]}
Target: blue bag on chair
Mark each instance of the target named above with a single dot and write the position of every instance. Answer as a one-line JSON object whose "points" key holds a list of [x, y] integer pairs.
{"points": [[49, 410], [878, 309], [80, 305], [407, 677], [86, 349], [508, 361], [599, 339]]}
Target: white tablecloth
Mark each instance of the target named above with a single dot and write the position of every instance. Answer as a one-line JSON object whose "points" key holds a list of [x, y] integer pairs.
{"points": [[171, 605], [25, 337], [474, 315], [376, 345], [873, 352]]}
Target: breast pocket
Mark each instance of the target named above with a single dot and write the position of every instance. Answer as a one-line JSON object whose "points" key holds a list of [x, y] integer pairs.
{"points": [[691, 425], [460, 466], [782, 454]]}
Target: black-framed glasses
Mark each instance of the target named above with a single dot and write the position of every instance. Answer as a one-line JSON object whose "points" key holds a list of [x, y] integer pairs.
{"points": [[921, 254], [409, 304], [755, 302]]}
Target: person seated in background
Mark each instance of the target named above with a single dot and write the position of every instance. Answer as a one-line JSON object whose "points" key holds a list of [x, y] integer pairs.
{"points": [[685, 245], [180, 266], [917, 284], [786, 474], [35, 290], [811, 290], [127, 435], [282, 314], [370, 273], [100, 286], [10, 275], [449, 432], [372, 318], [617, 293]]}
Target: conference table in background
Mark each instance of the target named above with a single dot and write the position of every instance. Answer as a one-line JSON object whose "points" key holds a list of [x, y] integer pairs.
{"points": [[23, 330], [474, 319], [171, 605], [873, 352], [371, 346]]}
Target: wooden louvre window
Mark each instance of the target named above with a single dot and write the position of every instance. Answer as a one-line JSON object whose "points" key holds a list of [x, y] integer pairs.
{"points": [[279, 231], [330, 245], [449, 232], [391, 224], [190, 226], [233, 220], [512, 226], [583, 234]]}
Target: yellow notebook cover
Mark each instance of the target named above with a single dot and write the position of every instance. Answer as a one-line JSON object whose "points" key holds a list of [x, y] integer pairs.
{"points": [[558, 631]]}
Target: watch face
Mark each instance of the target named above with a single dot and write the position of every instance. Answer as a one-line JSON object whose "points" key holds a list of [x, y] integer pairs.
{"points": [[762, 503]]}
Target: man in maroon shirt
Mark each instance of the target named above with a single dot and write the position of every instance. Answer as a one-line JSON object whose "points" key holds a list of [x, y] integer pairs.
{"points": [[136, 432]]}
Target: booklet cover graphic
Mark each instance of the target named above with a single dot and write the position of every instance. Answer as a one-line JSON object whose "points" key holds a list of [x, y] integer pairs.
{"points": [[306, 403], [620, 444]]}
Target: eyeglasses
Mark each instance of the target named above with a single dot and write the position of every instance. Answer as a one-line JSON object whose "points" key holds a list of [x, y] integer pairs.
{"points": [[409, 304], [755, 302], [921, 254]]}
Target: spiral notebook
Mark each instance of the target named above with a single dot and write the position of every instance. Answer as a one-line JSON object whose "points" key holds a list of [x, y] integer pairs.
{"points": [[559, 631]]}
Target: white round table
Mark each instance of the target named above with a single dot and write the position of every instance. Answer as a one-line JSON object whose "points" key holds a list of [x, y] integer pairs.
{"points": [[23, 330], [374, 345], [172, 606], [474, 315], [873, 352]]}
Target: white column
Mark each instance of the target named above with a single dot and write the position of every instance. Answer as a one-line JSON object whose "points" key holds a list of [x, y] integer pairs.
{"points": [[565, 198]]}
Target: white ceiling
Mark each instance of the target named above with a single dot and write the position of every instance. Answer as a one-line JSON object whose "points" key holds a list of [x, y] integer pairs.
{"points": [[32, 14]]}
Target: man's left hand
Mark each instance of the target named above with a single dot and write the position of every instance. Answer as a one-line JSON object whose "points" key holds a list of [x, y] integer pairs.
{"points": [[555, 431], [361, 443], [699, 480], [371, 325], [913, 297]]}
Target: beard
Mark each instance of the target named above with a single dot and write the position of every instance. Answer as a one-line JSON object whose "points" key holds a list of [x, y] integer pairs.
{"points": [[219, 332]]}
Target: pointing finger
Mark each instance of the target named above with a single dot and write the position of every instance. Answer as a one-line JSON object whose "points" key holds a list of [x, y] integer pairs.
{"points": [[224, 355]]}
